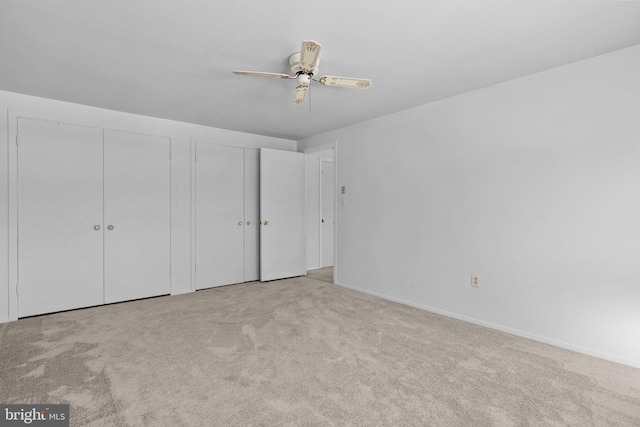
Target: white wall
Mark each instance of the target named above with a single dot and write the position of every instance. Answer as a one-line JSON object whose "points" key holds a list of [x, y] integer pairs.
{"points": [[533, 185], [182, 135]]}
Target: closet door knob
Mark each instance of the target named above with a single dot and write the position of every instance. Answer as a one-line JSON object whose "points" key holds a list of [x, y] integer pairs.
{"points": [[96, 227], [239, 222], [248, 222], [110, 227]]}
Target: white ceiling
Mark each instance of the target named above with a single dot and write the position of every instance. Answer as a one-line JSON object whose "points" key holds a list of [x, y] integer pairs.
{"points": [[174, 58]]}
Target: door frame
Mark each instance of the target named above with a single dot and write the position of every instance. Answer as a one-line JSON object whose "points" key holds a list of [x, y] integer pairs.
{"points": [[333, 145]]}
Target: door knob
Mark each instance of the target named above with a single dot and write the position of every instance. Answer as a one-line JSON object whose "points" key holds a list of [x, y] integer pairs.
{"points": [[96, 227], [265, 222], [239, 222], [110, 227], [323, 220], [248, 222]]}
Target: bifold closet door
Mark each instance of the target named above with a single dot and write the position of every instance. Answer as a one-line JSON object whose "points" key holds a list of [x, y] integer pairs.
{"points": [[137, 216], [251, 214], [59, 217], [219, 215]]}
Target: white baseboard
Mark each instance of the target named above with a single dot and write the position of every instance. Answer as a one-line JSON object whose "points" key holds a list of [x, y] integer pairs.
{"points": [[546, 340]]}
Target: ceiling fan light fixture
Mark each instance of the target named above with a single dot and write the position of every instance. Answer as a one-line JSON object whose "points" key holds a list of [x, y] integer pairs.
{"points": [[304, 79]]}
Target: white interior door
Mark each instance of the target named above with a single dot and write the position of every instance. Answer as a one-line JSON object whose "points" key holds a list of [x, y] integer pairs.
{"points": [[219, 215], [251, 214], [328, 201], [137, 216], [282, 233], [60, 216], [312, 196]]}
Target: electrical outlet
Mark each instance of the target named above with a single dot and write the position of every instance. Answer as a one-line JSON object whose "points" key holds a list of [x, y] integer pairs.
{"points": [[474, 281]]}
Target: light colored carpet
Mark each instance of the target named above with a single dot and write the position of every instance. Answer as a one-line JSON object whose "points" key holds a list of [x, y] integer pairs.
{"points": [[301, 352], [325, 274]]}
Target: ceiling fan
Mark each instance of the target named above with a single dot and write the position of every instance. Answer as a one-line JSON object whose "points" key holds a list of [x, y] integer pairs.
{"points": [[304, 65]]}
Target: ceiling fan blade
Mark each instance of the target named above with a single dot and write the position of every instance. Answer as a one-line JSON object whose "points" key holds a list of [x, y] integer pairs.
{"points": [[349, 82], [261, 74], [309, 53], [300, 94]]}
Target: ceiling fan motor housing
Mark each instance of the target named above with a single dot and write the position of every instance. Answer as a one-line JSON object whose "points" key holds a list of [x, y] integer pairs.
{"points": [[296, 68]]}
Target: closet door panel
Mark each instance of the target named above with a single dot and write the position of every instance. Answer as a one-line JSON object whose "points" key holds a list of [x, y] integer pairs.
{"points": [[251, 215], [59, 217], [219, 215], [137, 216]]}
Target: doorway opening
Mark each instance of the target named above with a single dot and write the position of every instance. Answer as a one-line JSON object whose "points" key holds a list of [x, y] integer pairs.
{"points": [[320, 210], [324, 274]]}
